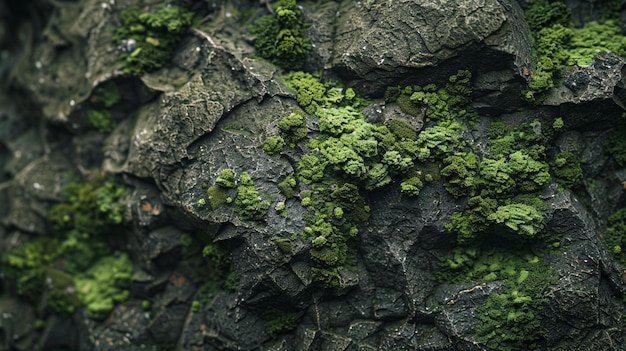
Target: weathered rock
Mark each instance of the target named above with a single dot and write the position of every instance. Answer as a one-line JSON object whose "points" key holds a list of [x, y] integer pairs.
{"points": [[592, 96], [381, 43]]}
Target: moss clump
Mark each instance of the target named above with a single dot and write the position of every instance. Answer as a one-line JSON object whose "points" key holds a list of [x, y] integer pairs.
{"points": [[249, 205], [104, 284], [218, 194], [226, 178], [84, 232], [106, 94], [615, 235], [313, 95], [212, 269], [288, 185], [512, 320], [616, 144], [567, 170], [273, 144], [24, 268], [293, 128], [150, 37], [278, 321], [402, 130], [558, 45], [447, 103], [100, 120], [280, 36], [86, 221], [461, 172]]}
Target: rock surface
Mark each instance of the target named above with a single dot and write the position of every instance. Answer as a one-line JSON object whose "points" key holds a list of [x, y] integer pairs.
{"points": [[211, 109]]}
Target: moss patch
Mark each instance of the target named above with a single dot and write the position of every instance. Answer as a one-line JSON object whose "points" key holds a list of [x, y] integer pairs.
{"points": [[149, 37]]}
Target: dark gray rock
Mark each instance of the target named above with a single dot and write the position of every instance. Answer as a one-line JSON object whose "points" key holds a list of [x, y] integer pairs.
{"points": [[592, 97], [381, 43]]}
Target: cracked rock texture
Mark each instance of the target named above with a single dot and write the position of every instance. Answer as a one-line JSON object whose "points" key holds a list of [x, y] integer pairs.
{"points": [[212, 107]]}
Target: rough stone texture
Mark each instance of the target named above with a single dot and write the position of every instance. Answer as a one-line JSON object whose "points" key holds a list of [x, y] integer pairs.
{"points": [[381, 43], [585, 86], [211, 109]]}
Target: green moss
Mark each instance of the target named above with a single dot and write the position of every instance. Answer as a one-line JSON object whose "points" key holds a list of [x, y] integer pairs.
{"points": [[567, 170], [249, 204], [616, 144], [402, 130], [288, 185], [104, 284], [107, 94], [411, 186], [293, 128], [615, 235], [558, 45], [273, 144], [84, 228], [544, 13], [212, 269], [593, 38], [226, 178], [155, 35], [438, 141], [218, 196], [280, 209], [100, 120], [195, 306], [313, 95], [280, 36], [61, 296], [24, 267], [461, 172], [512, 320], [521, 218], [86, 221], [446, 103], [278, 321]]}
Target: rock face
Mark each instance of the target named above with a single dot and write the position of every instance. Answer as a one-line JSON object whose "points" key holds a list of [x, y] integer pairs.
{"points": [[384, 43], [211, 108]]}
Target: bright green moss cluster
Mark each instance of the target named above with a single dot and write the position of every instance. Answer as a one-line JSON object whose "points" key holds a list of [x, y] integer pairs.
{"points": [[446, 103], [511, 320], [150, 37], [104, 284], [292, 128], [249, 205], [84, 228], [558, 45], [615, 235], [288, 185], [496, 183], [280, 36], [218, 194], [350, 156], [313, 95]]}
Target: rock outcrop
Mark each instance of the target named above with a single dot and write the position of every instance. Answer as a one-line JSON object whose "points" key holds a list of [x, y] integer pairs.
{"points": [[211, 108]]}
